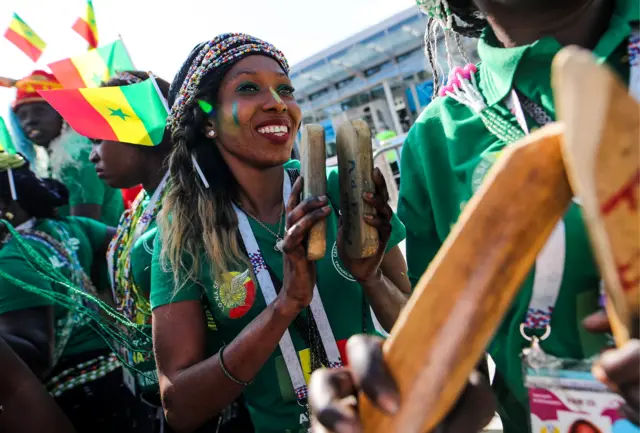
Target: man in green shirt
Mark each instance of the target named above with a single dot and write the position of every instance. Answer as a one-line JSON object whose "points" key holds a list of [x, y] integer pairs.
{"points": [[450, 149], [57, 151]]}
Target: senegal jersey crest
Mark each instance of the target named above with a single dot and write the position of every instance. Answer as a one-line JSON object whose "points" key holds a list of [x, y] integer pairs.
{"points": [[235, 294]]}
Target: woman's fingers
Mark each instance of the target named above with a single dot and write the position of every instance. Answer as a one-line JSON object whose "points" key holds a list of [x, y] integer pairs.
{"points": [[598, 323], [294, 198], [297, 233], [381, 185], [620, 367], [370, 373], [306, 207], [475, 408], [328, 391]]}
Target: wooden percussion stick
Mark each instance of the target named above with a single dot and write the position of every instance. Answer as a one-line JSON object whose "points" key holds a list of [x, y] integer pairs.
{"points": [[601, 149], [314, 171], [355, 165], [461, 299]]}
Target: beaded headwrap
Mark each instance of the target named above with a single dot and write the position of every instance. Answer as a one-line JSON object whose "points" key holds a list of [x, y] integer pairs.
{"points": [[127, 77], [222, 50]]}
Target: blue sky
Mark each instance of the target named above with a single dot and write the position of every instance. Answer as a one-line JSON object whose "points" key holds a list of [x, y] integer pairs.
{"points": [[160, 38]]}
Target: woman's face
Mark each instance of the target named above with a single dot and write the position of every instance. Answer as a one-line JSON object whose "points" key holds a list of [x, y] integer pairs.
{"points": [[120, 165], [257, 117], [40, 122]]}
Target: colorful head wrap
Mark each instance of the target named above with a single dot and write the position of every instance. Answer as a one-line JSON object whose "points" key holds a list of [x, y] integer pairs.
{"points": [[207, 57], [28, 90], [127, 77]]}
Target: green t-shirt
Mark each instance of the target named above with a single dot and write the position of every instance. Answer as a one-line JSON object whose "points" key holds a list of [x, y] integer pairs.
{"points": [[84, 185], [85, 236], [444, 160], [270, 398], [140, 257]]}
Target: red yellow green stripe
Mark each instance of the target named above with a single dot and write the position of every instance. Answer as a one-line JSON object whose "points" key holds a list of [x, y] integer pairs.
{"points": [[92, 68], [22, 36], [133, 114], [86, 27]]}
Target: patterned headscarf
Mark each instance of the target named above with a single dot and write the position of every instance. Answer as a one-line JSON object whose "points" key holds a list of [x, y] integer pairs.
{"points": [[207, 57]]}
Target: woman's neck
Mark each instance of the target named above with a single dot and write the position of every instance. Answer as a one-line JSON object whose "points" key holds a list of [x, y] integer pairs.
{"points": [[260, 191], [155, 172], [582, 25]]}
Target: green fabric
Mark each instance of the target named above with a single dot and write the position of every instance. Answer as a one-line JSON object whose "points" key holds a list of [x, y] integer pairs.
{"points": [[445, 158], [270, 397], [85, 187], [89, 235]]}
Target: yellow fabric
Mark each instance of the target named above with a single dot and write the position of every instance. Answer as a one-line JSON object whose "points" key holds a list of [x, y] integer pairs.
{"points": [[22, 29]]}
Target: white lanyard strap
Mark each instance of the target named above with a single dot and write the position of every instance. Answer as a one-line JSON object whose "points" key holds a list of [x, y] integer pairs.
{"points": [[267, 288], [634, 64], [550, 262]]}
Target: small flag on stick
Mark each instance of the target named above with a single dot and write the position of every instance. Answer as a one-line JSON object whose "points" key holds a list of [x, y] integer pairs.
{"points": [[92, 68], [22, 36], [86, 27]]}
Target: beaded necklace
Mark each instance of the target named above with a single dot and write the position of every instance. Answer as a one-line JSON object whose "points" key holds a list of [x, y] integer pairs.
{"points": [[129, 299]]}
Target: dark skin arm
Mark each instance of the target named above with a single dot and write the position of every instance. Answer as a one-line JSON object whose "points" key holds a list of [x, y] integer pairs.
{"points": [[332, 393], [190, 383], [30, 334], [22, 393], [384, 275], [93, 211]]}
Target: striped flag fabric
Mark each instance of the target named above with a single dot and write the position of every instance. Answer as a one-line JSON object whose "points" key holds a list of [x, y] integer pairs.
{"points": [[135, 114], [22, 36], [86, 27], [92, 68]]}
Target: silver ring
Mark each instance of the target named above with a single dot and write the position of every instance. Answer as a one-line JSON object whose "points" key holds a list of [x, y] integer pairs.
{"points": [[547, 332]]}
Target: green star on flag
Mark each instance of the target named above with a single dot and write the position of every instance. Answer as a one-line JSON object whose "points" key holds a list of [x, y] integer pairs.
{"points": [[118, 113]]}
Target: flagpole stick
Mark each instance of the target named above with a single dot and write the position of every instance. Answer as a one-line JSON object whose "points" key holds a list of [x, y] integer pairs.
{"points": [[12, 185], [127, 51]]}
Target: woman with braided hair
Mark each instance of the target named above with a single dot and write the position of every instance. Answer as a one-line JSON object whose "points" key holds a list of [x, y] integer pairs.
{"points": [[448, 152], [231, 239], [38, 312]]}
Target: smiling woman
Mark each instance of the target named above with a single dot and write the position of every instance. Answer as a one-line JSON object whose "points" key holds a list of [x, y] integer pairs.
{"points": [[231, 240]]}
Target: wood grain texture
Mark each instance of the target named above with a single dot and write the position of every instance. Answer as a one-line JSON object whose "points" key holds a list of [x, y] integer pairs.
{"points": [[313, 154], [355, 165], [460, 300], [601, 149]]}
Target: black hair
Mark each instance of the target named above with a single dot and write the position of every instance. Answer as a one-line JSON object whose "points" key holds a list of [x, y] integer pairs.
{"points": [[40, 198], [120, 80]]}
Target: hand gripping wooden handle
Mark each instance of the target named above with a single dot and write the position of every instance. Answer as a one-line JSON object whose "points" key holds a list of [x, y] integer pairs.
{"points": [[355, 165], [462, 297], [314, 171], [601, 149]]}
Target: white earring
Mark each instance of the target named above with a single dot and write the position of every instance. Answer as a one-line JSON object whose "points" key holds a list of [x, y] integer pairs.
{"points": [[212, 133]]}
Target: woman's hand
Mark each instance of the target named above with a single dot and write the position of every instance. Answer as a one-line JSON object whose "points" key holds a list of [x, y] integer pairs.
{"points": [[300, 273], [332, 393], [619, 369], [368, 268]]}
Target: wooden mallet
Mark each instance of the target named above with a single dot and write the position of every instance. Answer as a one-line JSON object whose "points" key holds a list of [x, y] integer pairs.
{"points": [[601, 149], [314, 171], [355, 165]]}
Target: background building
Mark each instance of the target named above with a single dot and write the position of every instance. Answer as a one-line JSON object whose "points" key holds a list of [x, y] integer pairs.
{"points": [[380, 75]]}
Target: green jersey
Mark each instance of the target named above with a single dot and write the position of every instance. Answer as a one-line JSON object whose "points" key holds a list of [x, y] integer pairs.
{"points": [[270, 397], [444, 160], [84, 236]]}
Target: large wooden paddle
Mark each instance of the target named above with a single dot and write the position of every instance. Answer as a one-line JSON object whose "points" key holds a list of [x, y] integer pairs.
{"points": [[459, 302], [601, 149]]}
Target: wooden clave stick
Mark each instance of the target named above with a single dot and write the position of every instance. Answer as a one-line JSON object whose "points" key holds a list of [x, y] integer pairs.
{"points": [[314, 171], [601, 149], [355, 166], [459, 302]]}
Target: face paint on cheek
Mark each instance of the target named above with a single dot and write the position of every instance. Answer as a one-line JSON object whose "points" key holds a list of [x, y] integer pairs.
{"points": [[276, 96], [234, 112]]}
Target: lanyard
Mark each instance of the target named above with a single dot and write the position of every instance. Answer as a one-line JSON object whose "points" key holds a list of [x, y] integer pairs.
{"points": [[141, 226], [267, 288], [551, 260]]}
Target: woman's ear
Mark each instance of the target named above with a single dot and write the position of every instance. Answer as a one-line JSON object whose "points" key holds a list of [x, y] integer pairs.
{"points": [[209, 129]]}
